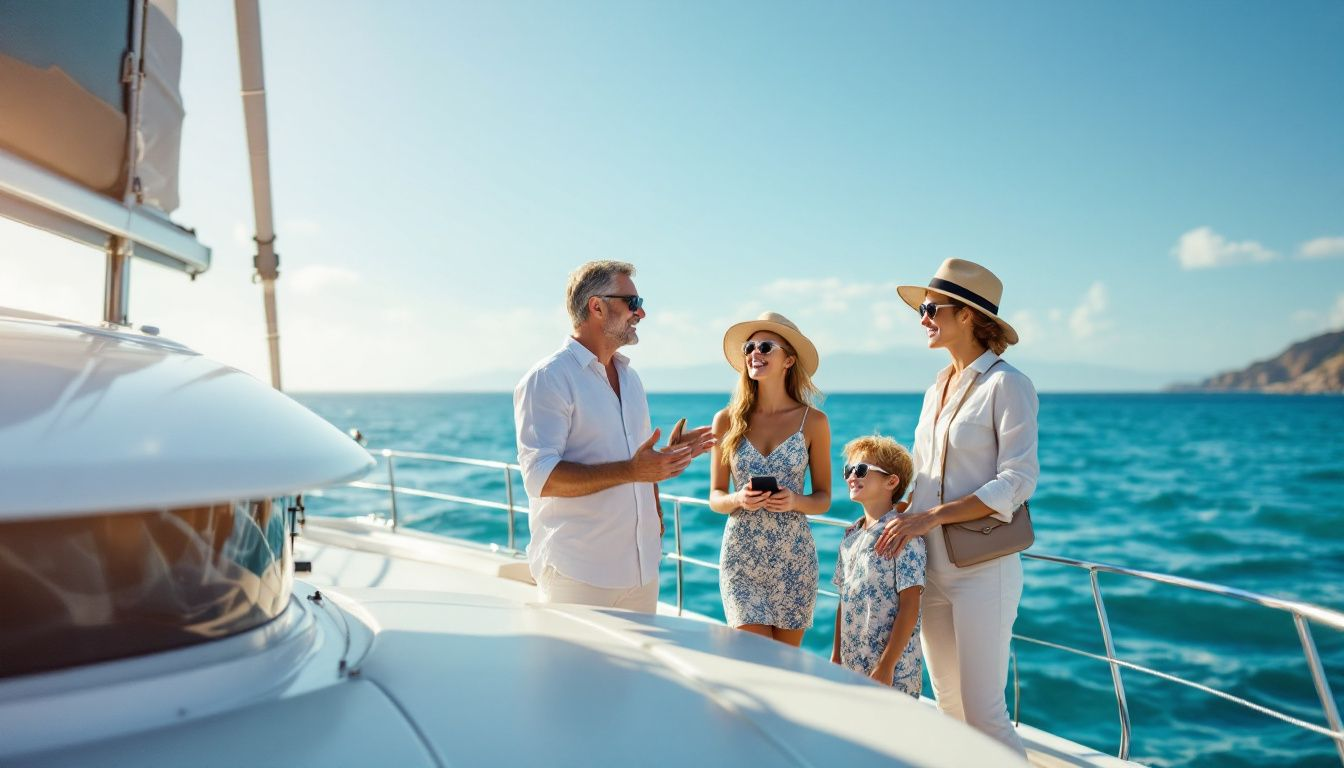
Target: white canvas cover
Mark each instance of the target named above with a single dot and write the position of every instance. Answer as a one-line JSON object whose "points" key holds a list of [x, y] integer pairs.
{"points": [[65, 105], [160, 136]]}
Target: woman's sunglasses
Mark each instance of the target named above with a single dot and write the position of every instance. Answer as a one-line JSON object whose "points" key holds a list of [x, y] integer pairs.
{"points": [[929, 309], [860, 470], [634, 302], [766, 347]]}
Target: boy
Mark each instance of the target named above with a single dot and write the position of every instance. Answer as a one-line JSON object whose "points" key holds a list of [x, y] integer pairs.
{"points": [[877, 623]]}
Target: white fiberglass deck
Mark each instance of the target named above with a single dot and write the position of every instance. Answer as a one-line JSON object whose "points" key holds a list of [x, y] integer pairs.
{"points": [[357, 555]]}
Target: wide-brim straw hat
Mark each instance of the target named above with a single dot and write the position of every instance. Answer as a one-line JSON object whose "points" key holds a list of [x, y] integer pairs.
{"points": [[737, 335], [967, 282]]}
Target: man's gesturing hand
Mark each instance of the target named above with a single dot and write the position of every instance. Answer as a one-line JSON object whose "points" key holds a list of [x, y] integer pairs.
{"points": [[699, 440], [653, 465]]}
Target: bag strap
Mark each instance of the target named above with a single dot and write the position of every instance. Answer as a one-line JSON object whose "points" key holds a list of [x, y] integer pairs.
{"points": [[947, 435]]}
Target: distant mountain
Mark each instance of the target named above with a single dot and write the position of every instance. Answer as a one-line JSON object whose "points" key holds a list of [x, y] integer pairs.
{"points": [[889, 370], [1313, 366]]}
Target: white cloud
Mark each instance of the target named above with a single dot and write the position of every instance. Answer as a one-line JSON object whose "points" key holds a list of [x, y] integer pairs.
{"points": [[1086, 320], [1203, 248], [1306, 317], [316, 278], [300, 227], [839, 316], [890, 316], [845, 316], [1329, 319], [242, 234], [1336, 320], [1028, 328], [1322, 248], [830, 294], [671, 337]]}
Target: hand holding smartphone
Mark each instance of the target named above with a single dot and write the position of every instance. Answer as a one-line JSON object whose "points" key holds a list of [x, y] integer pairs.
{"points": [[766, 483]]}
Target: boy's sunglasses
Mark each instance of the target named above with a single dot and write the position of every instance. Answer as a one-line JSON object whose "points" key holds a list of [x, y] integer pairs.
{"points": [[634, 302], [860, 470], [929, 309], [766, 347]]}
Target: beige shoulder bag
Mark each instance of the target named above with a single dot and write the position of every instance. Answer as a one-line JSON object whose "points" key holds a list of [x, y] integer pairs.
{"points": [[977, 541]]}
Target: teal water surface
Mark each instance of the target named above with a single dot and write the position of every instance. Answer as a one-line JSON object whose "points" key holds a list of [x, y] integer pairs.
{"points": [[1242, 490]]}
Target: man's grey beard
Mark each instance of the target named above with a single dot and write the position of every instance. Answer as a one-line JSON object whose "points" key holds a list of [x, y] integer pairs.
{"points": [[621, 331]]}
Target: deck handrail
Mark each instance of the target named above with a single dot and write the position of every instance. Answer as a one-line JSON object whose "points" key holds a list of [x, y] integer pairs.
{"points": [[1303, 613]]}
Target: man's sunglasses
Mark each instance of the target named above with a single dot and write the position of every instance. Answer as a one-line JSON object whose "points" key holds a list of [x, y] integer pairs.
{"points": [[634, 302], [860, 470], [929, 309], [766, 347]]}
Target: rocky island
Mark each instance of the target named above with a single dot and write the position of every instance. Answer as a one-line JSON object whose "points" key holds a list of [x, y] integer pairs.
{"points": [[1314, 366]]}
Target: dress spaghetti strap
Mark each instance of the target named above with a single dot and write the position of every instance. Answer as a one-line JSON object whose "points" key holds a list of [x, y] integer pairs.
{"points": [[804, 421]]}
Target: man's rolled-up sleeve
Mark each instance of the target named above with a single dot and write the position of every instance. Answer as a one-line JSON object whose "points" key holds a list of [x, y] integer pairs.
{"points": [[541, 415], [1015, 411]]}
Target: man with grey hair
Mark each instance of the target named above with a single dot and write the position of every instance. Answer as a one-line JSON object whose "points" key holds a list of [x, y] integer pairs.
{"points": [[589, 457]]}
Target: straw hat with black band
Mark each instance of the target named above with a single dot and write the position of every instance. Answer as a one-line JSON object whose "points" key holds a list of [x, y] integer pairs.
{"points": [[967, 282], [738, 334]]}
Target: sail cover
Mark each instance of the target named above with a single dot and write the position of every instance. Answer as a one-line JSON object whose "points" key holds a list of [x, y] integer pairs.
{"points": [[83, 152], [64, 101]]}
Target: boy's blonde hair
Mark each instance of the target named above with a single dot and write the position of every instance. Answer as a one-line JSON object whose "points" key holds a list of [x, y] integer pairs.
{"points": [[887, 454]]}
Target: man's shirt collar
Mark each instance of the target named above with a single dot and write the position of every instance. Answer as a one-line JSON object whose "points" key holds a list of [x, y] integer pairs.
{"points": [[585, 357]]}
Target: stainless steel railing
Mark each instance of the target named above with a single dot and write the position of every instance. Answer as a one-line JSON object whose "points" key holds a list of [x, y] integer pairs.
{"points": [[1304, 614], [1301, 612]]}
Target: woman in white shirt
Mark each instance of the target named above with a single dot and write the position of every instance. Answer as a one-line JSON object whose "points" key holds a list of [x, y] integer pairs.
{"points": [[991, 469]]}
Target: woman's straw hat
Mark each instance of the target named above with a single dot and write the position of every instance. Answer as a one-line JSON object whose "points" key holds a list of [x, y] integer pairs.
{"points": [[967, 282], [774, 322]]}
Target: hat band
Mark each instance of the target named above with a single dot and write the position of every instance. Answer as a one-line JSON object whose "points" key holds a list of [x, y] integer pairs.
{"points": [[944, 286]]}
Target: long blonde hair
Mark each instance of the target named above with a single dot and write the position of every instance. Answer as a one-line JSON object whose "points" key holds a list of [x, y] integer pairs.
{"points": [[797, 385]]}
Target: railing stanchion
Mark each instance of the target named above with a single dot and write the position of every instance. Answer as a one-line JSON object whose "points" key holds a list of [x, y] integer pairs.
{"points": [[1017, 689], [1120, 702], [676, 532], [508, 494], [391, 487], [1322, 683]]}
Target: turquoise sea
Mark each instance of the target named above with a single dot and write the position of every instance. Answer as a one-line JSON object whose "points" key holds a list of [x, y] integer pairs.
{"points": [[1241, 490]]}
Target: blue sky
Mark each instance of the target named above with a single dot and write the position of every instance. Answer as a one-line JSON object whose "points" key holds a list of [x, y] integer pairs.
{"points": [[1160, 185]]}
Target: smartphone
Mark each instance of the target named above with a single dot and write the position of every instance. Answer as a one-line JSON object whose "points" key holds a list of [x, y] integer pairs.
{"points": [[676, 433], [765, 483]]}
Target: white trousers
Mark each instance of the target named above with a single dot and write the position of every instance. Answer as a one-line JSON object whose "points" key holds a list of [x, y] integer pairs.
{"points": [[968, 616], [555, 587]]}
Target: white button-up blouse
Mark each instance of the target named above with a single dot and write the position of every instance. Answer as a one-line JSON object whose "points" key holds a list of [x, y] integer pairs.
{"points": [[565, 410], [1000, 469]]}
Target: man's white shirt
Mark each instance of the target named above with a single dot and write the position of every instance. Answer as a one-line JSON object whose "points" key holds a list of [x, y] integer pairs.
{"points": [[565, 410]]}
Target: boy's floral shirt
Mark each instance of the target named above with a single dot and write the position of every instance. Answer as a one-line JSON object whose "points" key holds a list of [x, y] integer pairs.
{"points": [[870, 586]]}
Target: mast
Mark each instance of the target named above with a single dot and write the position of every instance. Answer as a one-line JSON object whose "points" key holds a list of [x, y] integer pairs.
{"points": [[120, 250], [266, 261]]}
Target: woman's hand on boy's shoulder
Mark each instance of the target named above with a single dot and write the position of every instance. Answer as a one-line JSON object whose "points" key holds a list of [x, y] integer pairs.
{"points": [[902, 529]]}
